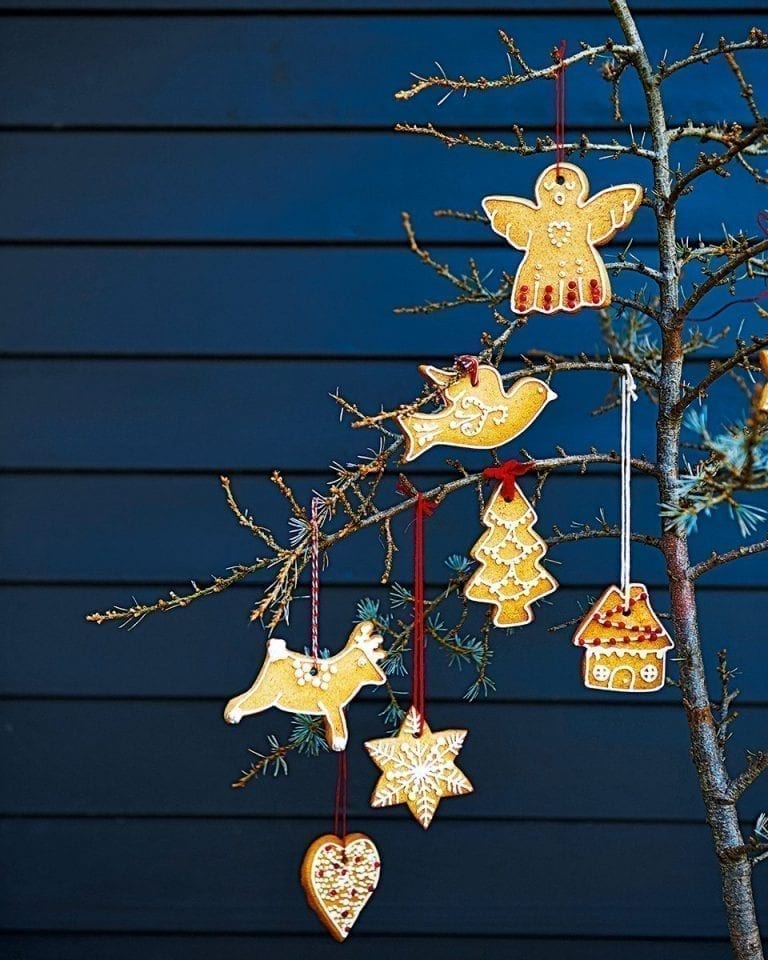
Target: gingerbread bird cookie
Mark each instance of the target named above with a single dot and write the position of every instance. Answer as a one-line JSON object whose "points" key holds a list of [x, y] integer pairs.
{"points": [[559, 232], [478, 412]]}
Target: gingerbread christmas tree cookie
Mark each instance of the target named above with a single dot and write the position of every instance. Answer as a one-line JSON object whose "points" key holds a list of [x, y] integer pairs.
{"points": [[559, 232], [511, 576]]}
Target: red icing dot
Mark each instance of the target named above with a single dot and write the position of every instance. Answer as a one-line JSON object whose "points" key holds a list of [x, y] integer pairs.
{"points": [[593, 283], [548, 288], [377, 864], [524, 288], [572, 284]]}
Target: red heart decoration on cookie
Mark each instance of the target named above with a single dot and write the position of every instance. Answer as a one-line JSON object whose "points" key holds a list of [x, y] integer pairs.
{"points": [[339, 874]]}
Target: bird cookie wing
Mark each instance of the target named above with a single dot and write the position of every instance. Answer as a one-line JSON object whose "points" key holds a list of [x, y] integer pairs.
{"points": [[611, 210], [512, 218]]}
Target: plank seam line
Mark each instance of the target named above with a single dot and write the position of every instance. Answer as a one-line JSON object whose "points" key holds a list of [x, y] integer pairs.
{"points": [[501, 701], [277, 243], [41, 356], [213, 472], [359, 935], [362, 814], [509, 14], [171, 582], [96, 127]]}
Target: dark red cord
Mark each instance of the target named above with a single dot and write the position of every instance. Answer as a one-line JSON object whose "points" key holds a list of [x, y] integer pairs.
{"points": [[422, 508], [559, 54], [340, 806]]}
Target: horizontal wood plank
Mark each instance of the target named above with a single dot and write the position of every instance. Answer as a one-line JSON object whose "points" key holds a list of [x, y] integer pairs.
{"points": [[320, 302], [233, 71], [67, 946], [136, 529], [211, 651], [627, 762], [225, 876], [296, 186], [261, 414], [258, 8]]}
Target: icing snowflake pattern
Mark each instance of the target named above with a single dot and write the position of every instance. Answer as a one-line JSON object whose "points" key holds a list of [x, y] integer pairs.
{"points": [[418, 770]]}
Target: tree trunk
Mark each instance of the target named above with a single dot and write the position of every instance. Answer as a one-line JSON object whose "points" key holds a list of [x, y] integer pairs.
{"points": [[722, 815]]}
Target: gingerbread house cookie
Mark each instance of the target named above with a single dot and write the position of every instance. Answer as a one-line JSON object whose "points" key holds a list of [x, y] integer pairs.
{"points": [[624, 649]]}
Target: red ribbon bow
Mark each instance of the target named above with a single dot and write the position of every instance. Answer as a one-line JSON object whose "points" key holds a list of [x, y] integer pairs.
{"points": [[507, 472], [468, 365]]}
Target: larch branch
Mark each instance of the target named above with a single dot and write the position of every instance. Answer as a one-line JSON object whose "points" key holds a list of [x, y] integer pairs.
{"points": [[583, 146], [719, 369], [462, 84], [757, 764], [719, 559], [720, 276], [756, 40]]}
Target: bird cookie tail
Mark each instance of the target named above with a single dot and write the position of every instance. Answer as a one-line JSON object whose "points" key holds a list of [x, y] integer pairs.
{"points": [[415, 441]]}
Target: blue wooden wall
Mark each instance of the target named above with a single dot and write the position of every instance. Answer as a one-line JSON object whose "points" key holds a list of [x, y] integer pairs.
{"points": [[199, 240]]}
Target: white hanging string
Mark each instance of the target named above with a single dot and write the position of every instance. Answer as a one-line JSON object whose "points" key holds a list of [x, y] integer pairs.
{"points": [[628, 394]]}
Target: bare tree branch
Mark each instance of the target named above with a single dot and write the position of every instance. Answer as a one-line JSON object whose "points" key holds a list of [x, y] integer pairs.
{"points": [[756, 40], [462, 85], [757, 764], [718, 559]]}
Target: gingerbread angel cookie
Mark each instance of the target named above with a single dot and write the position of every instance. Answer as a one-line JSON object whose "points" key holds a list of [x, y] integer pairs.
{"points": [[559, 233]]}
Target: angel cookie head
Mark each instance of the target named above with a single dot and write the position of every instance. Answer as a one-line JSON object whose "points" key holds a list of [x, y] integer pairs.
{"points": [[561, 269]]}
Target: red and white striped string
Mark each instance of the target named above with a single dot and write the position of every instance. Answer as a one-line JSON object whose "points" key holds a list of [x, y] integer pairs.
{"points": [[340, 803], [315, 582]]}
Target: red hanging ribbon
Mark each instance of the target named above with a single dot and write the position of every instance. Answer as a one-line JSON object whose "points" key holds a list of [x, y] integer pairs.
{"points": [[508, 472], [559, 55], [340, 805], [469, 366], [422, 508]]}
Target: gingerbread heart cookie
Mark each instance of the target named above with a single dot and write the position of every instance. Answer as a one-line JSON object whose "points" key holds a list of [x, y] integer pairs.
{"points": [[339, 874]]}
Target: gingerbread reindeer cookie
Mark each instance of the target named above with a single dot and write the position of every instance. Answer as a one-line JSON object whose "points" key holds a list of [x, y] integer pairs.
{"points": [[559, 232], [300, 683]]}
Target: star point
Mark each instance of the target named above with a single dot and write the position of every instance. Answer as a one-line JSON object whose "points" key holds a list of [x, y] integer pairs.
{"points": [[418, 769]]}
